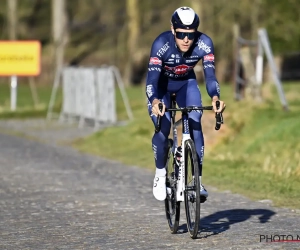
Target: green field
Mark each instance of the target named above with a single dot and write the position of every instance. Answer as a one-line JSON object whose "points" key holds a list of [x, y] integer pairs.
{"points": [[259, 158], [262, 157], [25, 104]]}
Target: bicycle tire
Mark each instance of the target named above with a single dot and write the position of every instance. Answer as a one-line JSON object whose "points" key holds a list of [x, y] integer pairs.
{"points": [[172, 207], [192, 189]]}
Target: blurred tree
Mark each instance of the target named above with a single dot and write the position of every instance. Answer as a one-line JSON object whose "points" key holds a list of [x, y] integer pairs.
{"points": [[34, 20], [282, 21], [255, 13], [84, 27], [199, 8], [59, 32], [12, 19], [121, 32], [132, 9]]}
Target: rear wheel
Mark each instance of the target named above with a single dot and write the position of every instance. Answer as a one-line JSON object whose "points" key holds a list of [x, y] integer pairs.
{"points": [[192, 189], [172, 207]]}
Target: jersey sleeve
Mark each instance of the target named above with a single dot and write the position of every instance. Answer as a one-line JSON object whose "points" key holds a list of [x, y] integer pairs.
{"points": [[154, 69], [208, 63]]}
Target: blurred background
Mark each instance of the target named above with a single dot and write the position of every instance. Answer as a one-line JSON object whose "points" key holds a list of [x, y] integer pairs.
{"points": [[96, 32], [257, 150]]}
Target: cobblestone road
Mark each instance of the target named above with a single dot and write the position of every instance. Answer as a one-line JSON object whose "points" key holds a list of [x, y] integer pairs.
{"points": [[52, 197]]}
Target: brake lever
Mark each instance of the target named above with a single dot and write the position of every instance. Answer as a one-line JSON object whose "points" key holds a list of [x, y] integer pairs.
{"points": [[158, 123], [219, 117]]}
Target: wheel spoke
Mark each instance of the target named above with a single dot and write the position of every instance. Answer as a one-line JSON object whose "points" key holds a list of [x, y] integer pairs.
{"points": [[172, 207], [192, 200]]}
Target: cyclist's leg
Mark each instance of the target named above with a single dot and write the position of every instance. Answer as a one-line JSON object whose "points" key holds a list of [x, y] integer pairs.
{"points": [[160, 147], [189, 95]]}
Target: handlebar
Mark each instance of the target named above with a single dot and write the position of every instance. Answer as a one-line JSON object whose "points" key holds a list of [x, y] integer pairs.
{"points": [[218, 116]]}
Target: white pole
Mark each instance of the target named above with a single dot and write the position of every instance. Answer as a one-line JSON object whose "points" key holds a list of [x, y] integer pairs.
{"points": [[259, 64], [123, 92], [263, 36], [53, 93], [13, 93]]}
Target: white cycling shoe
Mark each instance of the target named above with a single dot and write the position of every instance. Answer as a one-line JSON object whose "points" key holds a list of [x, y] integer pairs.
{"points": [[159, 188], [203, 191]]}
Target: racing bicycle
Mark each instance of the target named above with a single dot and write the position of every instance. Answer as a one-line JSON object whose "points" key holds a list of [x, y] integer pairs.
{"points": [[183, 180]]}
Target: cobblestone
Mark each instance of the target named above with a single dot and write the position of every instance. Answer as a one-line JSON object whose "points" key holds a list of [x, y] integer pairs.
{"points": [[53, 197]]}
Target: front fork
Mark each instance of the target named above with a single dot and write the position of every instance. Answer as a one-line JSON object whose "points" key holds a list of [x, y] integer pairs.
{"points": [[181, 171], [185, 136]]}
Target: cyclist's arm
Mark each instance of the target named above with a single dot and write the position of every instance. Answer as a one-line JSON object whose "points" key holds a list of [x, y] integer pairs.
{"points": [[154, 70], [208, 62]]}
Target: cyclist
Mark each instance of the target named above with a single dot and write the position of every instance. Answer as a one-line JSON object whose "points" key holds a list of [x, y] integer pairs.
{"points": [[173, 56]]}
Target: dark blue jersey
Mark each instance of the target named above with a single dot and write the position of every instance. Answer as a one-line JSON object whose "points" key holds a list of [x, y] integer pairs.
{"points": [[167, 63]]}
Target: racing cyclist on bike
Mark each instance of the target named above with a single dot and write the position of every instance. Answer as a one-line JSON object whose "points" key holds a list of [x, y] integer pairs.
{"points": [[173, 56]]}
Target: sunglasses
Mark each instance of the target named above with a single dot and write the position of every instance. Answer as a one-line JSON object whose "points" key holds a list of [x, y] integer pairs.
{"points": [[182, 35]]}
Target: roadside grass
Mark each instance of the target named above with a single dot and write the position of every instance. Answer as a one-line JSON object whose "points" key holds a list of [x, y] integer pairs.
{"points": [[25, 104], [259, 156]]}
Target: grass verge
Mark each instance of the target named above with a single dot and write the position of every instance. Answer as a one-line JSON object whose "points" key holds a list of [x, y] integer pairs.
{"points": [[261, 157], [26, 107]]}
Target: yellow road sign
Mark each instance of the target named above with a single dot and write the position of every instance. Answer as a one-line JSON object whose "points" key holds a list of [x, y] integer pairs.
{"points": [[20, 58]]}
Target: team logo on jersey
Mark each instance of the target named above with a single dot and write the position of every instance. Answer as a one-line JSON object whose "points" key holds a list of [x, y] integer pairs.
{"points": [[169, 62], [180, 69], [149, 90], [206, 66], [202, 45], [209, 58], [192, 60], [163, 49], [154, 69], [155, 61]]}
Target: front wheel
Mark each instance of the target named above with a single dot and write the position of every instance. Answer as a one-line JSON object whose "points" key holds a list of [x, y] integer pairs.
{"points": [[192, 188], [172, 207]]}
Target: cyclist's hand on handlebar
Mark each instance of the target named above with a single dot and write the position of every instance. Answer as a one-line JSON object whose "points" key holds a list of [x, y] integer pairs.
{"points": [[155, 109], [222, 105]]}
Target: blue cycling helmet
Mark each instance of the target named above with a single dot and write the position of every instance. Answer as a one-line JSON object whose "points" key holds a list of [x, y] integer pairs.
{"points": [[185, 18]]}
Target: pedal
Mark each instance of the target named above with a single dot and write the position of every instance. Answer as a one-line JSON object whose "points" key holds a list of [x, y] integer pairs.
{"points": [[191, 198], [202, 199]]}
